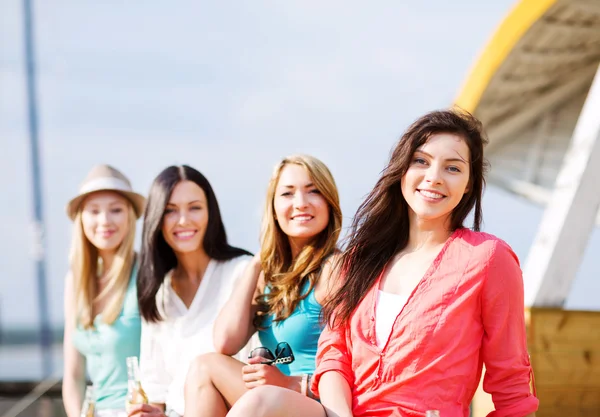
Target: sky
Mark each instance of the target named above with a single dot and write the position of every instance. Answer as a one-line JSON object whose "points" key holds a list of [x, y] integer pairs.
{"points": [[229, 88]]}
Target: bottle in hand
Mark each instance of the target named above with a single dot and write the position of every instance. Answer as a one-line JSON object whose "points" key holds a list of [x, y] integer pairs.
{"points": [[89, 404], [135, 392]]}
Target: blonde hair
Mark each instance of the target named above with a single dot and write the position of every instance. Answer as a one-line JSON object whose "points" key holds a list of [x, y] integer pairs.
{"points": [[85, 269], [284, 276]]}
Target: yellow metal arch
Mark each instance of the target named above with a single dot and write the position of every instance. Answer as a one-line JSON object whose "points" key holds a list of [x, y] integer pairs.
{"points": [[510, 31]]}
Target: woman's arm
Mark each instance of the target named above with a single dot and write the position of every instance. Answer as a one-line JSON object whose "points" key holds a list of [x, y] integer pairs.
{"points": [[329, 280], [234, 325], [336, 396], [334, 360], [333, 377], [504, 346], [74, 362]]}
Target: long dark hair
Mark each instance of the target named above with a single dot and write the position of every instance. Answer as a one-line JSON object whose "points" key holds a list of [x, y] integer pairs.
{"points": [[380, 227], [157, 257]]}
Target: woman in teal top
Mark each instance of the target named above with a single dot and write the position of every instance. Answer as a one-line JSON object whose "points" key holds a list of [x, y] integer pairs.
{"points": [[102, 321], [105, 347], [301, 330], [279, 295]]}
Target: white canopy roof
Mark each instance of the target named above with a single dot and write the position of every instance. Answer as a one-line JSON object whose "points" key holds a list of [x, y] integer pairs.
{"points": [[528, 88]]}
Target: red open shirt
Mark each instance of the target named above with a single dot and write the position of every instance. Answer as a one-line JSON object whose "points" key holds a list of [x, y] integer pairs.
{"points": [[466, 311]]}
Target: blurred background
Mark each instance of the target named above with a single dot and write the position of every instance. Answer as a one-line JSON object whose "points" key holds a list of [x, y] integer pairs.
{"points": [[228, 88]]}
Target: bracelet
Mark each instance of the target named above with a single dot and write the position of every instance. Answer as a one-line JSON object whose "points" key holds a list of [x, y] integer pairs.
{"points": [[304, 384], [309, 392]]}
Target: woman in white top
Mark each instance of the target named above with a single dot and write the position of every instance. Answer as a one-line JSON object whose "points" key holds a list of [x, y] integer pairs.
{"points": [[187, 273]]}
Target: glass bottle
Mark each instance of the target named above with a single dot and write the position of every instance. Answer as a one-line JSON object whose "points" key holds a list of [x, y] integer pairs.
{"points": [[432, 413], [89, 404], [135, 392]]}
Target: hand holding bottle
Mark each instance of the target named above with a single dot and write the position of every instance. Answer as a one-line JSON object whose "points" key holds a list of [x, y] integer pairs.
{"points": [[137, 400], [88, 407], [135, 392]]}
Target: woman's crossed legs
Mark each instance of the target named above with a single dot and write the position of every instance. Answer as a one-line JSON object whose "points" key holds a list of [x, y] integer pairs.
{"points": [[213, 384]]}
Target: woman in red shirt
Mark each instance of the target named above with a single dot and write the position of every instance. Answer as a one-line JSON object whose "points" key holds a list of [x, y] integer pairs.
{"points": [[426, 302]]}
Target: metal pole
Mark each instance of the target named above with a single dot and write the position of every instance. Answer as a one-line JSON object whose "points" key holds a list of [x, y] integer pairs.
{"points": [[1, 324], [45, 339]]}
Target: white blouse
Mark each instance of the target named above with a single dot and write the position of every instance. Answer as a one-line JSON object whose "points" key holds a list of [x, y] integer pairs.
{"points": [[168, 346], [389, 306]]}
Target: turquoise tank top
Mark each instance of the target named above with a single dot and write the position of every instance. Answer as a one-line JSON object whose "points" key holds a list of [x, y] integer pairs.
{"points": [[105, 348], [301, 330]]}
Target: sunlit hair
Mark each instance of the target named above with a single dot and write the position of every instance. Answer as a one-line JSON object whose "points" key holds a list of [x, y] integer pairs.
{"points": [[285, 276], [380, 228], [86, 266]]}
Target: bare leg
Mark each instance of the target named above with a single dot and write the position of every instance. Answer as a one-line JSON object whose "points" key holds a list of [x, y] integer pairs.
{"points": [[213, 384], [271, 401]]}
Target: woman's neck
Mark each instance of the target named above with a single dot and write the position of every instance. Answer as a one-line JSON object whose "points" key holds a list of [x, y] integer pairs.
{"points": [[427, 234], [296, 245], [107, 258], [191, 266]]}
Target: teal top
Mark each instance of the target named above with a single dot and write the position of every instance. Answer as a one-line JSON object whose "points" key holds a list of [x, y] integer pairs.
{"points": [[105, 348], [301, 330]]}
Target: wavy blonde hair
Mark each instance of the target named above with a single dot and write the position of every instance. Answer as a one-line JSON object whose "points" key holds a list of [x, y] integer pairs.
{"points": [[285, 276], [85, 267]]}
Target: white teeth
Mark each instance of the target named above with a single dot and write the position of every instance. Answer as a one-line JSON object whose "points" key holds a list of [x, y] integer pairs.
{"points": [[302, 217], [184, 234], [431, 194]]}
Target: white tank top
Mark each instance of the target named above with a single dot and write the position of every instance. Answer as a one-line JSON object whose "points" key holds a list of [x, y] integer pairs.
{"points": [[388, 307]]}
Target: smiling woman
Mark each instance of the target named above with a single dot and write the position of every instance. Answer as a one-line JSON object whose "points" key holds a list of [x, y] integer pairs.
{"points": [[187, 272], [425, 300], [437, 178], [300, 209], [185, 218], [279, 296], [102, 321], [105, 219]]}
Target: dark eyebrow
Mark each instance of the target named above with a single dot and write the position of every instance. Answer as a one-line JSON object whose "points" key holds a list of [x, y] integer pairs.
{"points": [[191, 202], [447, 160]]}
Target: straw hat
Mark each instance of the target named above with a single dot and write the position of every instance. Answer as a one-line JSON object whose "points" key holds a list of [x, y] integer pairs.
{"points": [[106, 178]]}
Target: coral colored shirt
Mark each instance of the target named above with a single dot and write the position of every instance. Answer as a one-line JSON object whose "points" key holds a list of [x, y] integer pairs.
{"points": [[466, 311]]}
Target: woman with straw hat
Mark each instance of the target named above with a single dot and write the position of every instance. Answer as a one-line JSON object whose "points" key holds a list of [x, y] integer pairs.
{"points": [[102, 321]]}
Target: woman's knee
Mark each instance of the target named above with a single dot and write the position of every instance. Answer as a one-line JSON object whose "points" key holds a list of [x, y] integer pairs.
{"points": [[200, 370], [257, 402]]}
